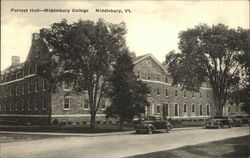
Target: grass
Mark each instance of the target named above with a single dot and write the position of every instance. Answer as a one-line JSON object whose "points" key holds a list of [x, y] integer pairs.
{"points": [[229, 148], [6, 137], [100, 128]]}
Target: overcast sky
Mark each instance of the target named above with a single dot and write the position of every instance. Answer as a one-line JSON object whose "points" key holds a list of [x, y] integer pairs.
{"points": [[153, 26]]}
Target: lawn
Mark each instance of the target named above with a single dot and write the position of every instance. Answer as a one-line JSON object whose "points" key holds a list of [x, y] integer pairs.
{"points": [[229, 148], [100, 128], [6, 137]]}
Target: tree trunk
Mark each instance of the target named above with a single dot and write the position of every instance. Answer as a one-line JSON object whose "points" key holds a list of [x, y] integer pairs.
{"points": [[120, 124], [92, 121], [218, 105]]}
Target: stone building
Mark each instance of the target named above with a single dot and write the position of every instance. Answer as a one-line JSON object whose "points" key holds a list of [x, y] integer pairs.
{"points": [[25, 98]]}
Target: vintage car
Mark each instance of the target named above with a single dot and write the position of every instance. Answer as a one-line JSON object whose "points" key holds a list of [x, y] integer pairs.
{"points": [[240, 120], [219, 122], [151, 124]]}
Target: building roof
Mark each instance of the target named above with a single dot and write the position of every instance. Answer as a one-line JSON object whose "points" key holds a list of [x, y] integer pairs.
{"points": [[135, 59], [142, 57], [13, 68]]}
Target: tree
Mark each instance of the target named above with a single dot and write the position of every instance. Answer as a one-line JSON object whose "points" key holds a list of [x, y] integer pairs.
{"points": [[128, 95], [208, 54], [82, 54], [244, 59]]}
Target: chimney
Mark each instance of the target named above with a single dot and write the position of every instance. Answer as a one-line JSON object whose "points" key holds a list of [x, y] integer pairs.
{"points": [[15, 60], [44, 32], [35, 36]]}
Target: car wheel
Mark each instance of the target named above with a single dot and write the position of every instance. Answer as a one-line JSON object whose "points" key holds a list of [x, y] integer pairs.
{"points": [[150, 130]]}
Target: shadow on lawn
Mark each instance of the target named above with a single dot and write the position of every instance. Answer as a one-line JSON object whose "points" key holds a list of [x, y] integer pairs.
{"points": [[229, 148]]}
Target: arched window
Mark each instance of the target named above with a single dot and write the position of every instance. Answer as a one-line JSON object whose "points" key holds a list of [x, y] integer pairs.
{"points": [[201, 109], [208, 110], [176, 110], [185, 108], [193, 109]]}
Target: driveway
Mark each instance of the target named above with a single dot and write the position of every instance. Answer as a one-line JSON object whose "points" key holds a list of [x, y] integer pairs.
{"points": [[114, 146]]}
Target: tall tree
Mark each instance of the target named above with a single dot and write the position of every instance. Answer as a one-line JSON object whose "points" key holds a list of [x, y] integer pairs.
{"points": [[208, 54], [82, 54], [129, 95]]}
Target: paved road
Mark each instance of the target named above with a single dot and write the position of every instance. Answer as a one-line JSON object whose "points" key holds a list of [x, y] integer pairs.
{"points": [[114, 146]]}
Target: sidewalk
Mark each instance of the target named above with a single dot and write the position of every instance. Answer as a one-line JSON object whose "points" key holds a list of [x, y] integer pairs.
{"points": [[90, 134]]}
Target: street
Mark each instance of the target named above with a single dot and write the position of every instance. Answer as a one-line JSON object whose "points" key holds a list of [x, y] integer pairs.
{"points": [[114, 146]]}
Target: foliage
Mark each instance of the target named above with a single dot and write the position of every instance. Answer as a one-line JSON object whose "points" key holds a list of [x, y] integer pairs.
{"points": [[129, 95], [208, 54], [82, 54]]}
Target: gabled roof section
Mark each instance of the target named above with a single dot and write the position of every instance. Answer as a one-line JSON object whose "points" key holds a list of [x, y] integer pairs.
{"points": [[143, 57]]}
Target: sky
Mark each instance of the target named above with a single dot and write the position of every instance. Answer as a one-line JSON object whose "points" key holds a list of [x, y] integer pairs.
{"points": [[153, 26]]}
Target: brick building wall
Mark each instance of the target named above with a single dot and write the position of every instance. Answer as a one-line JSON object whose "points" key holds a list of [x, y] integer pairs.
{"points": [[171, 101]]}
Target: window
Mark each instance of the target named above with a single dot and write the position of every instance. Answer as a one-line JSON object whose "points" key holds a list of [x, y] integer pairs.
{"points": [[35, 68], [193, 109], [44, 104], [176, 110], [158, 109], [166, 92], [85, 104], [17, 90], [36, 106], [237, 109], [165, 109], [22, 105], [103, 105], [166, 79], [185, 108], [44, 85], [158, 77], [149, 76], [207, 94], [176, 93], [36, 86], [192, 94], [11, 106], [6, 93], [13, 76], [30, 70], [29, 87], [29, 105], [185, 95], [11, 91], [201, 109], [158, 91], [23, 89], [229, 109], [17, 106], [208, 110], [200, 95], [66, 103], [66, 86]]}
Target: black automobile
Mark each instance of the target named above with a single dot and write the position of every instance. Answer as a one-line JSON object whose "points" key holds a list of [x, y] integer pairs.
{"points": [[151, 124], [219, 122], [240, 120]]}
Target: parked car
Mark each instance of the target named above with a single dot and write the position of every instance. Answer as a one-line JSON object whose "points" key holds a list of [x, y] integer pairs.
{"points": [[151, 124], [219, 122], [240, 120]]}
